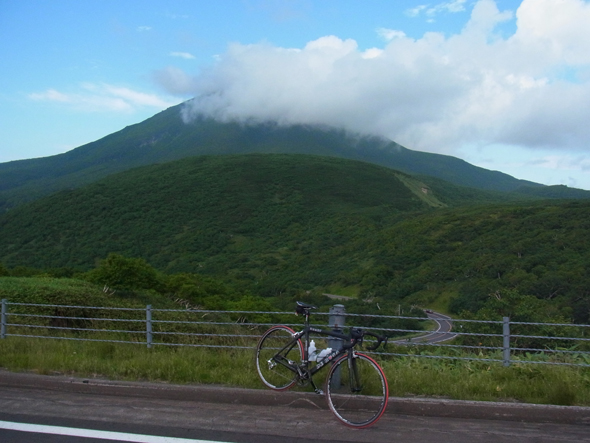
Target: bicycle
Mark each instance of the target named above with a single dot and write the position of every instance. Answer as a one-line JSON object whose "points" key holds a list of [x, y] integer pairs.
{"points": [[356, 387]]}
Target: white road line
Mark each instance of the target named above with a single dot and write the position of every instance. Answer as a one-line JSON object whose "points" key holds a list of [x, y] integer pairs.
{"points": [[91, 433]]}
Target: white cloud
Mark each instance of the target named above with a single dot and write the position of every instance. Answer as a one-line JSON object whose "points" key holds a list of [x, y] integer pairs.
{"points": [[453, 6], [174, 16], [372, 53], [558, 29], [390, 34], [144, 28], [176, 81], [435, 93], [185, 55], [414, 12], [104, 98], [564, 162], [50, 95]]}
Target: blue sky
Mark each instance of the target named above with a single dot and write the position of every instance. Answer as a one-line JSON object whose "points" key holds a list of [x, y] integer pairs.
{"points": [[502, 84]]}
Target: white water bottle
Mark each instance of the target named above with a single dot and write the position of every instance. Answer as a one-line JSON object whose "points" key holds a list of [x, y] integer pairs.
{"points": [[312, 352], [323, 353]]}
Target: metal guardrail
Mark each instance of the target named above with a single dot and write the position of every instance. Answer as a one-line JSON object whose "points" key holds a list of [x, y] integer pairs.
{"points": [[473, 340]]}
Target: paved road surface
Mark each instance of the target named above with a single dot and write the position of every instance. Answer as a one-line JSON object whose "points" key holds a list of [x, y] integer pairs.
{"points": [[244, 416], [443, 331]]}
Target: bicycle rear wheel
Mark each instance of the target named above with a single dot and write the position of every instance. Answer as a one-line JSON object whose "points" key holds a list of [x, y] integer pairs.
{"points": [[356, 390], [275, 348]]}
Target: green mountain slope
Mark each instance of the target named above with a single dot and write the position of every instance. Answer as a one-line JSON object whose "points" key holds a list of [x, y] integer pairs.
{"points": [[165, 137], [540, 249], [181, 214], [276, 223]]}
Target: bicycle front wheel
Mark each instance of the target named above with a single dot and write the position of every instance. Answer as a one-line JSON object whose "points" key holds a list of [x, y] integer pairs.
{"points": [[275, 349], [357, 391]]}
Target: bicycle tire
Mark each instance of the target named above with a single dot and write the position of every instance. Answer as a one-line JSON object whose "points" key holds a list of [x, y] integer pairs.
{"points": [[276, 341], [357, 393]]}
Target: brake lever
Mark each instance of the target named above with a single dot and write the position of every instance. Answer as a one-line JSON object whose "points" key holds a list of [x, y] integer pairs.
{"points": [[380, 339]]}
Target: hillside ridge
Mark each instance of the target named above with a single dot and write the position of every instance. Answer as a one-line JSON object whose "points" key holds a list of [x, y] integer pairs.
{"points": [[136, 211], [165, 137]]}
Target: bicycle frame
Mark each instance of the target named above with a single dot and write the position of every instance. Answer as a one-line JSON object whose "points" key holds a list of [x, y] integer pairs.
{"points": [[303, 370]]}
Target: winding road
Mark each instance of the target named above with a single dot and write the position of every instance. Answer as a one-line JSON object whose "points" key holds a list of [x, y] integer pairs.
{"points": [[442, 332]]}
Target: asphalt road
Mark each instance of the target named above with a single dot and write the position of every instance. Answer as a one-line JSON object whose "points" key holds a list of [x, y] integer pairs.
{"points": [[443, 331], [242, 416]]}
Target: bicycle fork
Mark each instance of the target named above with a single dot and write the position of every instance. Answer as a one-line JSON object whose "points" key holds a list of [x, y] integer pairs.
{"points": [[353, 371]]}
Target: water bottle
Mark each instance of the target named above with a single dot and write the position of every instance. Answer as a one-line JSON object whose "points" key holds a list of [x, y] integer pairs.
{"points": [[323, 353], [312, 352]]}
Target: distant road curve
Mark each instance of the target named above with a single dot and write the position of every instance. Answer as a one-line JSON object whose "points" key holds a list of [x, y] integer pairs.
{"points": [[442, 332]]}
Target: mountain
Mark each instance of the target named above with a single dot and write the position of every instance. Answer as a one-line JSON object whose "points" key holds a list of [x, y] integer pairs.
{"points": [[165, 137], [180, 215], [277, 225]]}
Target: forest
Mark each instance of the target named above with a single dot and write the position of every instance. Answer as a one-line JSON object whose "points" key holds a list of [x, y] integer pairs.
{"points": [[213, 230]]}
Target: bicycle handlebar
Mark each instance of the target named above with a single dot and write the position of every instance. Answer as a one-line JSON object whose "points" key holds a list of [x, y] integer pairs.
{"points": [[358, 335], [380, 339]]}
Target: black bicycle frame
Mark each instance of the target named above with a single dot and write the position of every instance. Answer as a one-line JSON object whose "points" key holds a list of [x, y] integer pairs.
{"points": [[303, 370], [328, 358]]}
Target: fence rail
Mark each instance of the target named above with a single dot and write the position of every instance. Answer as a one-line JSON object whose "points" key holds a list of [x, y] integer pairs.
{"points": [[499, 341]]}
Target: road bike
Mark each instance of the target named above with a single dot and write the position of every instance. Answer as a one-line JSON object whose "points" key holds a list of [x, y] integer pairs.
{"points": [[356, 387]]}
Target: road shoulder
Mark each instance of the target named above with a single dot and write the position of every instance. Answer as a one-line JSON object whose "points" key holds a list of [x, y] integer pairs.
{"points": [[425, 407]]}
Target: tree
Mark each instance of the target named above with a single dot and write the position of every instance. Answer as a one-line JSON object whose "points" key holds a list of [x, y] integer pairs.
{"points": [[535, 318], [119, 272], [197, 291]]}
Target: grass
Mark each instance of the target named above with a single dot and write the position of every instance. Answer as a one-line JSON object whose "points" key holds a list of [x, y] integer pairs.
{"points": [[540, 384], [129, 361], [347, 291], [407, 376]]}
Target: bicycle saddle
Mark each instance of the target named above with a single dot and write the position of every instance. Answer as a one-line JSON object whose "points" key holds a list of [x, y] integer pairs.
{"points": [[303, 308]]}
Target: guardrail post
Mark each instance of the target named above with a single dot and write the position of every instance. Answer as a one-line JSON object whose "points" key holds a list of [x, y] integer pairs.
{"points": [[148, 325], [336, 320], [506, 344], [3, 320]]}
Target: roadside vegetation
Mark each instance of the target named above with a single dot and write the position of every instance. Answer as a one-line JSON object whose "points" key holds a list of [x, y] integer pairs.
{"points": [[407, 376]]}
